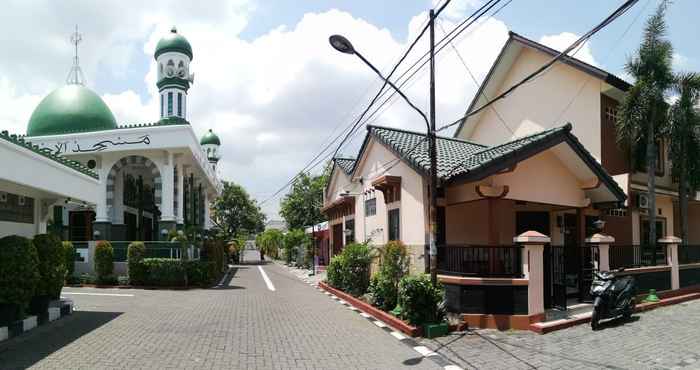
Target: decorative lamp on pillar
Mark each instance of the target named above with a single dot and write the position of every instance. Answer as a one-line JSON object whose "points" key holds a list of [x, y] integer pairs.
{"points": [[96, 234], [164, 233]]}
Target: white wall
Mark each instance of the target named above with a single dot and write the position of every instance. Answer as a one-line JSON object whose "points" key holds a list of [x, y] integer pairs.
{"points": [[538, 105]]}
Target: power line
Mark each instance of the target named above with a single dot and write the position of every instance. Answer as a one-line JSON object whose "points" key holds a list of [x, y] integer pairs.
{"points": [[617, 13]]}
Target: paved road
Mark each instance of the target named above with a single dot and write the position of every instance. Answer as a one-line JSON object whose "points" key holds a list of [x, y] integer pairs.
{"points": [[666, 338], [244, 325]]}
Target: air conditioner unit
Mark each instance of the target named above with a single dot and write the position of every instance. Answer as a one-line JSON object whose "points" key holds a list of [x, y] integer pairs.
{"points": [[642, 201]]}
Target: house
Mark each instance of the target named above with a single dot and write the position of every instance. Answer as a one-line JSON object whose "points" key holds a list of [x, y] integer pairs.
{"points": [[90, 178], [541, 166]]}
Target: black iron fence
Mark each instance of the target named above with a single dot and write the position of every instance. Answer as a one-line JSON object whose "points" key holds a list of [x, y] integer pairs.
{"points": [[481, 260], [628, 256], [688, 254]]}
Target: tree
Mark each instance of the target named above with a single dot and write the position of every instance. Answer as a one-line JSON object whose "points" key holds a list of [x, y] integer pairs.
{"points": [[643, 112], [235, 213], [270, 242], [301, 207], [684, 148]]}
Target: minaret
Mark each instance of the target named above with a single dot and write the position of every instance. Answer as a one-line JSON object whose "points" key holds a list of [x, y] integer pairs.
{"points": [[210, 143], [173, 56]]}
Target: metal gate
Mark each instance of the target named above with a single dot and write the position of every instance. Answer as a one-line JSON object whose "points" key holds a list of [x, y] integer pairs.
{"points": [[555, 276]]}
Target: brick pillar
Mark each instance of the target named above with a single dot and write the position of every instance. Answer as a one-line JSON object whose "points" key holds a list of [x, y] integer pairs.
{"points": [[603, 242], [533, 268], [672, 259]]}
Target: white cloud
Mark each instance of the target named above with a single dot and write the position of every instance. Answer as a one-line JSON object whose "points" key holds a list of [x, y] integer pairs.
{"points": [[680, 61], [562, 41], [273, 100]]}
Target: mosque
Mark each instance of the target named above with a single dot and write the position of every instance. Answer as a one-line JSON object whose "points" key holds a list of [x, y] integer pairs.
{"points": [[79, 172]]}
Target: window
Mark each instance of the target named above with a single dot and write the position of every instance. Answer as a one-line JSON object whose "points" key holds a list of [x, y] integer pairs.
{"points": [[371, 207], [642, 158], [394, 224], [3, 197], [179, 104], [162, 107], [616, 212], [170, 104], [350, 230], [20, 200]]}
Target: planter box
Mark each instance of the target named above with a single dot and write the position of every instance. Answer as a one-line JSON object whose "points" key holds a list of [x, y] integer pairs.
{"points": [[435, 330], [390, 319], [4, 333], [29, 323]]}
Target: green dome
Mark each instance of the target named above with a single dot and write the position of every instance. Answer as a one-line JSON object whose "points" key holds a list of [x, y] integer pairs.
{"points": [[210, 138], [173, 42], [71, 108]]}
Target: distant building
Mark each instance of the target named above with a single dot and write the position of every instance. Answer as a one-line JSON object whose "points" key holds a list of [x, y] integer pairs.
{"points": [[276, 225]]}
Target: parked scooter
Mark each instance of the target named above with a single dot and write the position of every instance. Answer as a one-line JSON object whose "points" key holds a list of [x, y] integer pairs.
{"points": [[612, 296]]}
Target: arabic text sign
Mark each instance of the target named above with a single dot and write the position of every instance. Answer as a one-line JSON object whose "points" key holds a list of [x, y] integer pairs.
{"points": [[94, 146]]}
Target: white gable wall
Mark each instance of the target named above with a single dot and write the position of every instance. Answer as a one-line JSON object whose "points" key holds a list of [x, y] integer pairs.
{"points": [[538, 105]]}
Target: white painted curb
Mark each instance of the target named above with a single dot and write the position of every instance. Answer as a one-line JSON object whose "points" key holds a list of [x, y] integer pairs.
{"points": [[29, 323], [54, 313]]}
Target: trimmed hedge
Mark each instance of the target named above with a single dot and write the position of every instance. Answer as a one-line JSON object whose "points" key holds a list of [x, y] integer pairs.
{"points": [[215, 251], [68, 258], [135, 256], [19, 277], [51, 265], [171, 272], [104, 262]]}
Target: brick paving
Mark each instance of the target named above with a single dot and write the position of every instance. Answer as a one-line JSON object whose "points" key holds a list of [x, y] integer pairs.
{"points": [[241, 326], [665, 338]]}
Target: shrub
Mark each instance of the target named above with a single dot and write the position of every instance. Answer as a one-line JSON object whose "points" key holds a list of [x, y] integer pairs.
{"points": [[349, 271], [201, 273], [19, 277], [137, 270], [164, 272], [334, 271], [104, 261], [215, 251], [393, 266], [69, 258], [52, 267], [419, 302]]}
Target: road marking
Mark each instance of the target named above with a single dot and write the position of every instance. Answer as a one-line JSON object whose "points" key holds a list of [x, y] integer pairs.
{"points": [[366, 316], [425, 351], [452, 367], [267, 279], [100, 294], [379, 324], [398, 335]]}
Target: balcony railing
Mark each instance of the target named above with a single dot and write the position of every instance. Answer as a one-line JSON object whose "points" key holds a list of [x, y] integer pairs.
{"points": [[628, 256], [688, 254], [481, 260]]}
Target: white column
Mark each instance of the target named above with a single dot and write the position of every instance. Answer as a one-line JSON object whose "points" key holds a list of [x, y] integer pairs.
{"points": [[180, 193], [167, 189], [101, 210], [207, 220], [533, 268], [603, 242], [672, 259]]}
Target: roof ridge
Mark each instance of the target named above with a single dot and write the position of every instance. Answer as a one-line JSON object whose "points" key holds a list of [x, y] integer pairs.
{"points": [[566, 127], [369, 127]]}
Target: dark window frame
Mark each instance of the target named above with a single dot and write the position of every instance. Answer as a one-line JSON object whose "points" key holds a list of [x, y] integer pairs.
{"points": [[394, 224], [370, 207]]}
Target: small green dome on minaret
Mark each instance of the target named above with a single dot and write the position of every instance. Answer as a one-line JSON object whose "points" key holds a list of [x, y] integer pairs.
{"points": [[210, 138], [68, 109], [173, 41]]}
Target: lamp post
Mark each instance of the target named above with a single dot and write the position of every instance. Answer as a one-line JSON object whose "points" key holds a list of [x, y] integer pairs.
{"points": [[343, 45]]}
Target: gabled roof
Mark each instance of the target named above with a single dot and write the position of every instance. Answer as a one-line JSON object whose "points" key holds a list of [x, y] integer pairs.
{"points": [[460, 160], [346, 164], [507, 57]]}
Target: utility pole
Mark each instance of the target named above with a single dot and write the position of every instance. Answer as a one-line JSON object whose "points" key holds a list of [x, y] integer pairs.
{"points": [[433, 158]]}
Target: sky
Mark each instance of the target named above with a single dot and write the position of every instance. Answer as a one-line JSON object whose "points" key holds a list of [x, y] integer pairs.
{"points": [[266, 79]]}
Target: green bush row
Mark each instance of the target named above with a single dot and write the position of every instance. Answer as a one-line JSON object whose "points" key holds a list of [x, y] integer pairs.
{"points": [[173, 272], [32, 273]]}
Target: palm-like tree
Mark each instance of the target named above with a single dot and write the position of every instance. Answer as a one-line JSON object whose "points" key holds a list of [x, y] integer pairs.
{"points": [[684, 147], [643, 112]]}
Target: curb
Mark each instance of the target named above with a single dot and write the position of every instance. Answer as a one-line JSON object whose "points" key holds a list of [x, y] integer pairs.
{"points": [[424, 351], [544, 328], [57, 310]]}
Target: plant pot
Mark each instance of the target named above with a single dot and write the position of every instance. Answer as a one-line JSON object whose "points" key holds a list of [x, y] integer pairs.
{"points": [[435, 330]]}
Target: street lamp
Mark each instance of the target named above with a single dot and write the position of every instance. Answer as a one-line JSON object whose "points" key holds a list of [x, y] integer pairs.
{"points": [[344, 45]]}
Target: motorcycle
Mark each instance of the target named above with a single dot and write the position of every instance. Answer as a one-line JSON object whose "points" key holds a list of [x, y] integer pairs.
{"points": [[612, 296]]}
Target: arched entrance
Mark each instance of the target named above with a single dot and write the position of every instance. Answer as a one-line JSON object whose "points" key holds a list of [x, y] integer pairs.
{"points": [[134, 188]]}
